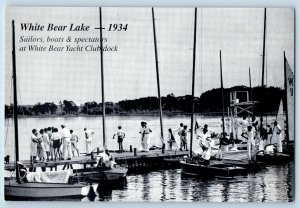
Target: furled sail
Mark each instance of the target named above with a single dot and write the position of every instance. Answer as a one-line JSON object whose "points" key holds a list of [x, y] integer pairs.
{"points": [[290, 95]]}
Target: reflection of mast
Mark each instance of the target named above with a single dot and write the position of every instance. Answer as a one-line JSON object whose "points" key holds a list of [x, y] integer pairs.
{"points": [[193, 83], [157, 77], [15, 101], [222, 90], [102, 80]]}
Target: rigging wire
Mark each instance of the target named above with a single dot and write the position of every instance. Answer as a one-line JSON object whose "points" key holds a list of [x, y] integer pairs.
{"points": [[10, 98]]}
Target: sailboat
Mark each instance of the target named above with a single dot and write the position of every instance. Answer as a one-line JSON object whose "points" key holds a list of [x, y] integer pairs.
{"points": [[14, 189], [99, 174], [288, 133], [192, 166]]}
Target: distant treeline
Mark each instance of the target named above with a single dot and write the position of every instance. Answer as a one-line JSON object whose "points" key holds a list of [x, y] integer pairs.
{"points": [[268, 99]]}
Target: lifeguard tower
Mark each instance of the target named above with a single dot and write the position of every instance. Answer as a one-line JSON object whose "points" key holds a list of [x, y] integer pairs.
{"points": [[240, 104]]}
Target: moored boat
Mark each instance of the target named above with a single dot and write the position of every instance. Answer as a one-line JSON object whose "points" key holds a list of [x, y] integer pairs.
{"points": [[221, 169], [34, 191], [94, 175]]}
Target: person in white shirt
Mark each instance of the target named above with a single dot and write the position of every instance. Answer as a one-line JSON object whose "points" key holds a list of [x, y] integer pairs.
{"points": [[204, 134], [66, 142], [74, 141], [121, 135], [250, 142], [146, 137], [46, 143], [33, 146], [278, 136], [207, 152], [89, 139], [105, 160]]}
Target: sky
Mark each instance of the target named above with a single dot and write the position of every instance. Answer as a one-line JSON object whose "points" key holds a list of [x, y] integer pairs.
{"points": [[130, 72]]}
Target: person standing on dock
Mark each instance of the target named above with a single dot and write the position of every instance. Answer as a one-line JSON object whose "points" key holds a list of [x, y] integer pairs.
{"points": [[56, 139], [278, 136], [74, 141], [66, 142], [88, 139], [34, 142], [46, 143], [49, 132], [171, 139], [250, 142], [121, 135], [179, 130], [142, 132], [146, 137], [40, 147], [183, 139]]}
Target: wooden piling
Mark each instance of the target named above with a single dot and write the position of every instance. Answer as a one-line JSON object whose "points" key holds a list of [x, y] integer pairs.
{"points": [[130, 148], [135, 152]]}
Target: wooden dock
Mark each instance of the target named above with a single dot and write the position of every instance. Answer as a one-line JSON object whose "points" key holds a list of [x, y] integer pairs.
{"points": [[131, 159]]}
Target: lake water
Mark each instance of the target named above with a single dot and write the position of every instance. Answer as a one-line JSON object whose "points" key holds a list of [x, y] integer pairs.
{"points": [[273, 184]]}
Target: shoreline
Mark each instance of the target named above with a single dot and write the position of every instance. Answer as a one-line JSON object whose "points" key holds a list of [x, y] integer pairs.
{"points": [[209, 115]]}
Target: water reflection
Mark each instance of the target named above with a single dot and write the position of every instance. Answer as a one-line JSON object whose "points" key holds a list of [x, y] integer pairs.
{"points": [[275, 184]]}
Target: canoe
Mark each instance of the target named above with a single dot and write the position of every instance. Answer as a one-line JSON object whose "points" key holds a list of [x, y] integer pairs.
{"points": [[227, 170], [93, 175], [33, 191]]}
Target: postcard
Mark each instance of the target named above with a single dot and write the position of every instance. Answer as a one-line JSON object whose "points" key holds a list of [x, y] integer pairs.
{"points": [[142, 104]]}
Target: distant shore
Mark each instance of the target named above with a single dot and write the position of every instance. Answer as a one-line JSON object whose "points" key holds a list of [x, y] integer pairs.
{"points": [[167, 114]]}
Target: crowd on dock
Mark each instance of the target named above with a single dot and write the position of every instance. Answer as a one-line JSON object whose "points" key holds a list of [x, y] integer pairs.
{"points": [[53, 144]]}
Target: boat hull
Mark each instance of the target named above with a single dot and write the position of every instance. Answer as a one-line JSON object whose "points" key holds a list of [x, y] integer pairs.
{"points": [[273, 159], [102, 175], [212, 170], [15, 191]]}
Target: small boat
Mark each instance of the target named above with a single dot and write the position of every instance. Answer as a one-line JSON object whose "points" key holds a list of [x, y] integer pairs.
{"points": [[94, 175], [221, 169], [273, 158], [39, 191]]}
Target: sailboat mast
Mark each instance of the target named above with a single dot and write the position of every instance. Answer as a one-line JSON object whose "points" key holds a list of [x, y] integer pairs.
{"points": [[102, 81], [193, 83], [250, 88], [264, 49], [157, 77], [15, 100], [286, 105], [222, 90]]}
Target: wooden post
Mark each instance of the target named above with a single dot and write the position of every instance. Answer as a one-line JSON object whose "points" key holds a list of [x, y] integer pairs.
{"points": [[130, 148], [163, 149], [134, 150]]}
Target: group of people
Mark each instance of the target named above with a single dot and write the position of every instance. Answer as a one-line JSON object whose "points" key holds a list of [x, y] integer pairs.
{"points": [[182, 132], [257, 135], [52, 144]]}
